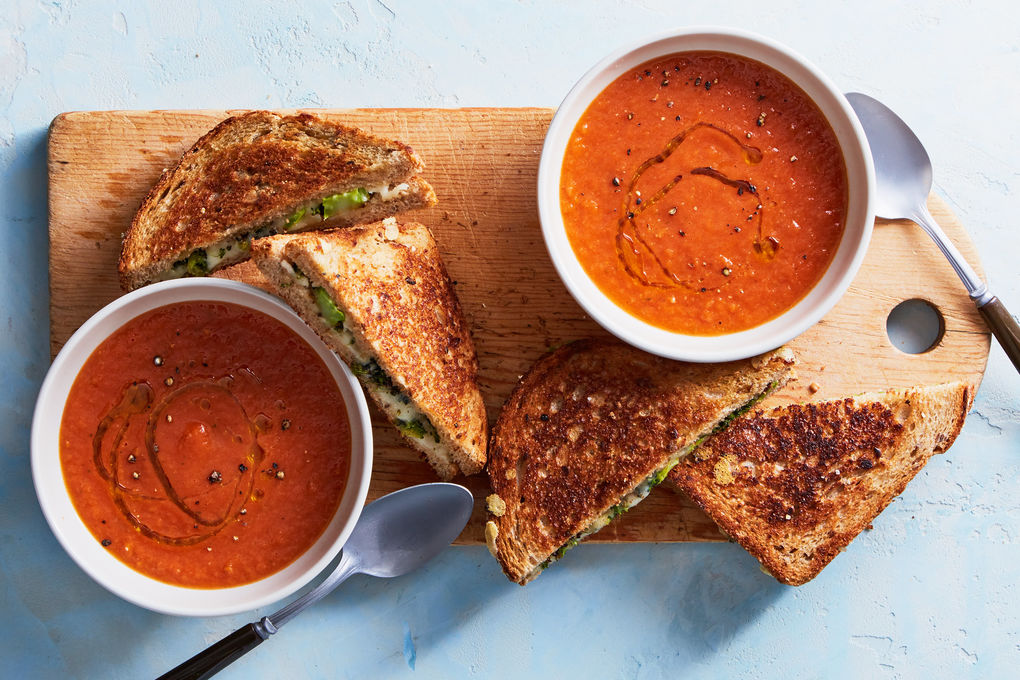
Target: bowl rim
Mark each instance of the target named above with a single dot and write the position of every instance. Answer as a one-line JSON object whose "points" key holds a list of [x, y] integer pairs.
{"points": [[80, 544], [819, 300]]}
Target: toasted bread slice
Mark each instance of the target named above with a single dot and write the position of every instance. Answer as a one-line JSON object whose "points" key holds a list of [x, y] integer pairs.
{"points": [[258, 174], [591, 429], [402, 331], [795, 485]]}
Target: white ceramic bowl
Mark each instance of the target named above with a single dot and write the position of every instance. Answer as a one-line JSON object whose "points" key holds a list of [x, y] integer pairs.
{"points": [[845, 263], [82, 546]]}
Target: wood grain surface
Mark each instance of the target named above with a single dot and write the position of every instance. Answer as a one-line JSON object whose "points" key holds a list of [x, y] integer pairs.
{"points": [[483, 164]]}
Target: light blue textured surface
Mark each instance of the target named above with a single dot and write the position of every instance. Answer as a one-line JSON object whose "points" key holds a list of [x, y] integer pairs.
{"points": [[931, 592]]}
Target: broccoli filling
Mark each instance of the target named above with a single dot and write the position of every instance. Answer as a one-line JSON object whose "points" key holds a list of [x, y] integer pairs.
{"points": [[230, 251], [197, 264], [293, 220], [328, 309], [642, 490], [728, 420], [340, 203], [409, 419]]}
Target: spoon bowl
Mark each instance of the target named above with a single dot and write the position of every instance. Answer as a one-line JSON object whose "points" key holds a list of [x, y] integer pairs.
{"points": [[405, 529], [903, 171]]}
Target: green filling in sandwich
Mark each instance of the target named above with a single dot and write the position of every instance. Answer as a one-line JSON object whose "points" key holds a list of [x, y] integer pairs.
{"points": [[327, 308], [204, 260], [338, 203], [197, 264], [293, 220]]}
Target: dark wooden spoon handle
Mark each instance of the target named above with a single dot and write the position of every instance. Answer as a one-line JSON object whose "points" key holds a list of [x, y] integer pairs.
{"points": [[212, 660], [1003, 327]]}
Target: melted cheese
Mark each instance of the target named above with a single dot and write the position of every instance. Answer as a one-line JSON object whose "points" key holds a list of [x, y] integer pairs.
{"points": [[386, 193]]}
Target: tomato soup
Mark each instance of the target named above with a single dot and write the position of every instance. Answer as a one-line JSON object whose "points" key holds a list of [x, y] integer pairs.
{"points": [[704, 193], [205, 444]]}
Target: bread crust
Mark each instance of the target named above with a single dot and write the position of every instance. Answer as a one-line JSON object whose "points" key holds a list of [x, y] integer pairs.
{"points": [[394, 288], [591, 421], [796, 484], [257, 167]]}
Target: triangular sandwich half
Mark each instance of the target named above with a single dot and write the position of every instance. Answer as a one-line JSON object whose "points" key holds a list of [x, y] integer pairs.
{"points": [[796, 484], [380, 297], [259, 174], [591, 429]]}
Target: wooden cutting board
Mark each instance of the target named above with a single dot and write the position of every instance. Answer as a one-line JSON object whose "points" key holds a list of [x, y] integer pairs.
{"points": [[483, 164]]}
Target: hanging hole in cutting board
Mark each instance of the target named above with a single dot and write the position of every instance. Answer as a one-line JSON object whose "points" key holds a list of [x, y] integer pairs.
{"points": [[915, 326]]}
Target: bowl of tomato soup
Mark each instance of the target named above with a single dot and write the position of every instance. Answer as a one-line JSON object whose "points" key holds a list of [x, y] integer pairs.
{"points": [[706, 194], [198, 451]]}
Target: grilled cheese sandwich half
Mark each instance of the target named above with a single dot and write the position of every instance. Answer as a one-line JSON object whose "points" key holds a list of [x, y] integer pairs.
{"points": [[261, 174], [592, 429], [363, 290], [796, 484]]}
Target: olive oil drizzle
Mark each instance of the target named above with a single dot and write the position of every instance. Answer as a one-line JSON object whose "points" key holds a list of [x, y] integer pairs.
{"points": [[136, 400], [629, 239]]}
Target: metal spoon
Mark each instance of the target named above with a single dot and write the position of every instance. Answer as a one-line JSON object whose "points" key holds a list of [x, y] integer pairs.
{"points": [[904, 178], [396, 534]]}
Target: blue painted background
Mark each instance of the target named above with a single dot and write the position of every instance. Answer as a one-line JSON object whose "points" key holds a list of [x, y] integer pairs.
{"points": [[931, 592]]}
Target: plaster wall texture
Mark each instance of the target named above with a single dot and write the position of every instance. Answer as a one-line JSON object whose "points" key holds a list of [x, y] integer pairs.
{"points": [[931, 592]]}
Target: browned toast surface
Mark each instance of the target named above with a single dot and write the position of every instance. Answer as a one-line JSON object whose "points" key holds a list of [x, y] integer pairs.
{"points": [[256, 167], [796, 484], [589, 423], [391, 283]]}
